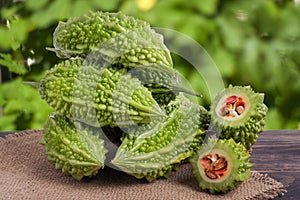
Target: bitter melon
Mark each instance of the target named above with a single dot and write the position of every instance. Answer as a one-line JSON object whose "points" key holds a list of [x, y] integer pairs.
{"points": [[164, 98], [110, 38], [164, 83], [80, 35], [136, 48], [160, 79], [239, 113], [76, 149], [154, 150], [106, 97], [221, 165]]}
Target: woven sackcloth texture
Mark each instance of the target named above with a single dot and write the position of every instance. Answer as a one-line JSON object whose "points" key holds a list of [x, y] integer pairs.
{"points": [[25, 173]]}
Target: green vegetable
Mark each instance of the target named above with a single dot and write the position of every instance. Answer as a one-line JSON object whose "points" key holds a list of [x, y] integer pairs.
{"points": [[122, 79], [153, 150], [160, 79], [105, 97], [80, 35], [164, 83], [239, 113], [137, 48], [221, 165], [156, 76], [164, 98], [111, 38], [76, 149]]}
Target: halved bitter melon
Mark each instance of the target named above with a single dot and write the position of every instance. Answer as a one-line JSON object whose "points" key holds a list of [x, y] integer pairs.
{"points": [[239, 113], [76, 149], [220, 165]]}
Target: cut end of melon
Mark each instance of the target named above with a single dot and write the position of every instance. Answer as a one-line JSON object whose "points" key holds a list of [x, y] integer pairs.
{"points": [[232, 107], [215, 166]]}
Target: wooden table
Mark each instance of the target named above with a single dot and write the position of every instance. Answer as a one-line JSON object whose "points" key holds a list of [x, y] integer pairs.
{"points": [[276, 153]]}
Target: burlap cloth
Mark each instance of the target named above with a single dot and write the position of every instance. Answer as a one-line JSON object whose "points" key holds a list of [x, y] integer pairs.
{"points": [[25, 173]]}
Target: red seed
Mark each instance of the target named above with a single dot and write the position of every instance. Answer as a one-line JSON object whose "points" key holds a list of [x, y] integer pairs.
{"points": [[211, 174], [231, 99]]}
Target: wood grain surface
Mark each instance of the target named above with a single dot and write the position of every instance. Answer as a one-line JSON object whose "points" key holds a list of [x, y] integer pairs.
{"points": [[277, 153]]}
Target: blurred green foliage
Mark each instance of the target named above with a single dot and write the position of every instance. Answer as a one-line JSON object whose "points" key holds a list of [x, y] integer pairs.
{"points": [[252, 42]]}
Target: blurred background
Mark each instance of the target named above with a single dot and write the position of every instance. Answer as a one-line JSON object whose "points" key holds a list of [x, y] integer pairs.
{"points": [[253, 43]]}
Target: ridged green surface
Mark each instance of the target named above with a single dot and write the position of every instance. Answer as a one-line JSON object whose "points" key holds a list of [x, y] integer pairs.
{"points": [[164, 83], [111, 38], [79, 35], [158, 78], [246, 127], [164, 98], [238, 165], [152, 151], [133, 49], [75, 149], [106, 97]]}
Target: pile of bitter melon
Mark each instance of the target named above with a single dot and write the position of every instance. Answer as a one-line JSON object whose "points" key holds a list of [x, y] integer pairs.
{"points": [[119, 102]]}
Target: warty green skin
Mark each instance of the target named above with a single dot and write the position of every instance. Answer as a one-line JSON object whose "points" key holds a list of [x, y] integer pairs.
{"points": [[110, 38], [106, 97], [152, 151], [164, 83], [133, 49], [163, 99], [160, 80], [79, 35], [246, 128], [75, 149], [239, 164]]}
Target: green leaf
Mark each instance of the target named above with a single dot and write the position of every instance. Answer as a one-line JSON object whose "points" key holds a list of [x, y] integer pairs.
{"points": [[35, 4], [2, 101], [273, 120], [18, 30], [57, 10], [7, 123], [15, 66], [106, 5], [208, 7], [231, 33], [8, 13], [225, 62], [80, 7], [23, 108], [289, 23], [6, 38]]}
